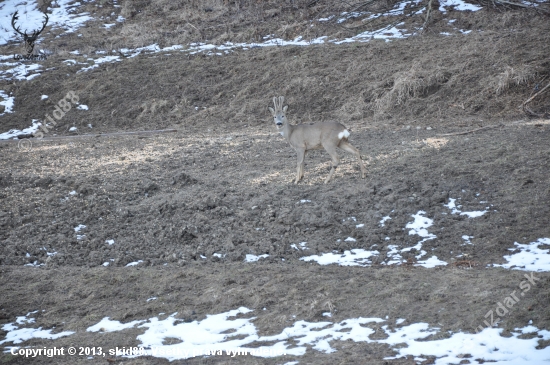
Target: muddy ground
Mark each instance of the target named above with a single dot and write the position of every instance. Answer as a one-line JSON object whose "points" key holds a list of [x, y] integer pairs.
{"points": [[222, 184], [172, 199]]}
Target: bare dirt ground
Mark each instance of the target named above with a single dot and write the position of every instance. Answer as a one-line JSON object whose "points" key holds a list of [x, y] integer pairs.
{"points": [[222, 184]]}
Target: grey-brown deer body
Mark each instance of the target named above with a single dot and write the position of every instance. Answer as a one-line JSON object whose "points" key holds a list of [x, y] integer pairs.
{"points": [[305, 137]]}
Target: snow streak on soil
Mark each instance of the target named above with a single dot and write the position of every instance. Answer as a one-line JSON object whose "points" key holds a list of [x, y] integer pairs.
{"points": [[530, 257], [14, 133], [456, 210], [355, 257], [229, 333], [362, 257], [17, 335], [65, 16]]}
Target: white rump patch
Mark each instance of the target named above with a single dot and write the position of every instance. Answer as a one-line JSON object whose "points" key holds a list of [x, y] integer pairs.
{"points": [[343, 134]]}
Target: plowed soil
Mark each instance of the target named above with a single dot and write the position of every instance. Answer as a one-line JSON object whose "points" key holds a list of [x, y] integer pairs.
{"points": [[222, 183]]}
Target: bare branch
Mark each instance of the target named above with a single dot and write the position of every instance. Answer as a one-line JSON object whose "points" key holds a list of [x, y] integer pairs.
{"points": [[529, 111]]}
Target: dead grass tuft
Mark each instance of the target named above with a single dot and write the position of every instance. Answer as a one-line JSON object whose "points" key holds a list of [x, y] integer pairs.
{"points": [[514, 76], [410, 84]]}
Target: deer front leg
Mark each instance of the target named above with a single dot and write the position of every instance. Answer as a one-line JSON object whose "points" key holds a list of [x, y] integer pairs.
{"points": [[300, 167]]}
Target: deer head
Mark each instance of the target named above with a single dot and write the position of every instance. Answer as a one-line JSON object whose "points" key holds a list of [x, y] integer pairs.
{"points": [[29, 39], [279, 111]]}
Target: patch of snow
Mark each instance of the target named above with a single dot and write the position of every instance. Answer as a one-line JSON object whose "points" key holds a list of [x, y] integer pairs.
{"points": [[355, 257], [325, 19], [7, 101], [530, 257], [106, 325], [79, 228], [135, 263], [419, 225], [394, 255], [431, 263], [254, 258], [467, 239], [457, 5], [383, 220], [82, 107], [99, 61], [301, 244], [13, 133], [228, 332], [487, 345], [456, 209], [110, 242], [474, 214], [18, 335]]}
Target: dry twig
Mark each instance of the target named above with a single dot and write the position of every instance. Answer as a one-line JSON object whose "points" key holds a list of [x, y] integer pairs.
{"points": [[470, 131], [529, 111]]}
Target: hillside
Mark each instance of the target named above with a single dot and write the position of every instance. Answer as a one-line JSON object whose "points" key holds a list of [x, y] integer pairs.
{"points": [[159, 212]]}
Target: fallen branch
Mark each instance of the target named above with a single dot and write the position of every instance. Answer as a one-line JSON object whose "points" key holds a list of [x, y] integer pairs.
{"points": [[513, 4], [470, 131], [525, 6], [428, 13], [526, 110], [158, 131]]}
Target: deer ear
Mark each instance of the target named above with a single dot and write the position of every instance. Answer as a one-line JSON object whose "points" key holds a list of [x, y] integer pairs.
{"points": [[271, 110], [285, 108]]}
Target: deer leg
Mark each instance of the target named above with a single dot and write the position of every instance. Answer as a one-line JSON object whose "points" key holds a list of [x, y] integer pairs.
{"points": [[346, 146], [300, 167], [335, 161]]}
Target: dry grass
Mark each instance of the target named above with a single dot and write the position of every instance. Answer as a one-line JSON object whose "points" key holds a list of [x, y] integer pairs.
{"points": [[514, 76], [410, 84]]}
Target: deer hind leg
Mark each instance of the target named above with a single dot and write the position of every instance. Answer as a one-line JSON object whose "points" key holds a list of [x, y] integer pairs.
{"points": [[300, 166], [301, 175], [346, 146], [335, 161]]}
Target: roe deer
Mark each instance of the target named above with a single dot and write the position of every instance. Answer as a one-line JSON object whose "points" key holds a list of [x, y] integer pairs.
{"points": [[305, 137]]}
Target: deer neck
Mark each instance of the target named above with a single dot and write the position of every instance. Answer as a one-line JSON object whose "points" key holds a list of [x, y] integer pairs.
{"points": [[286, 130]]}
